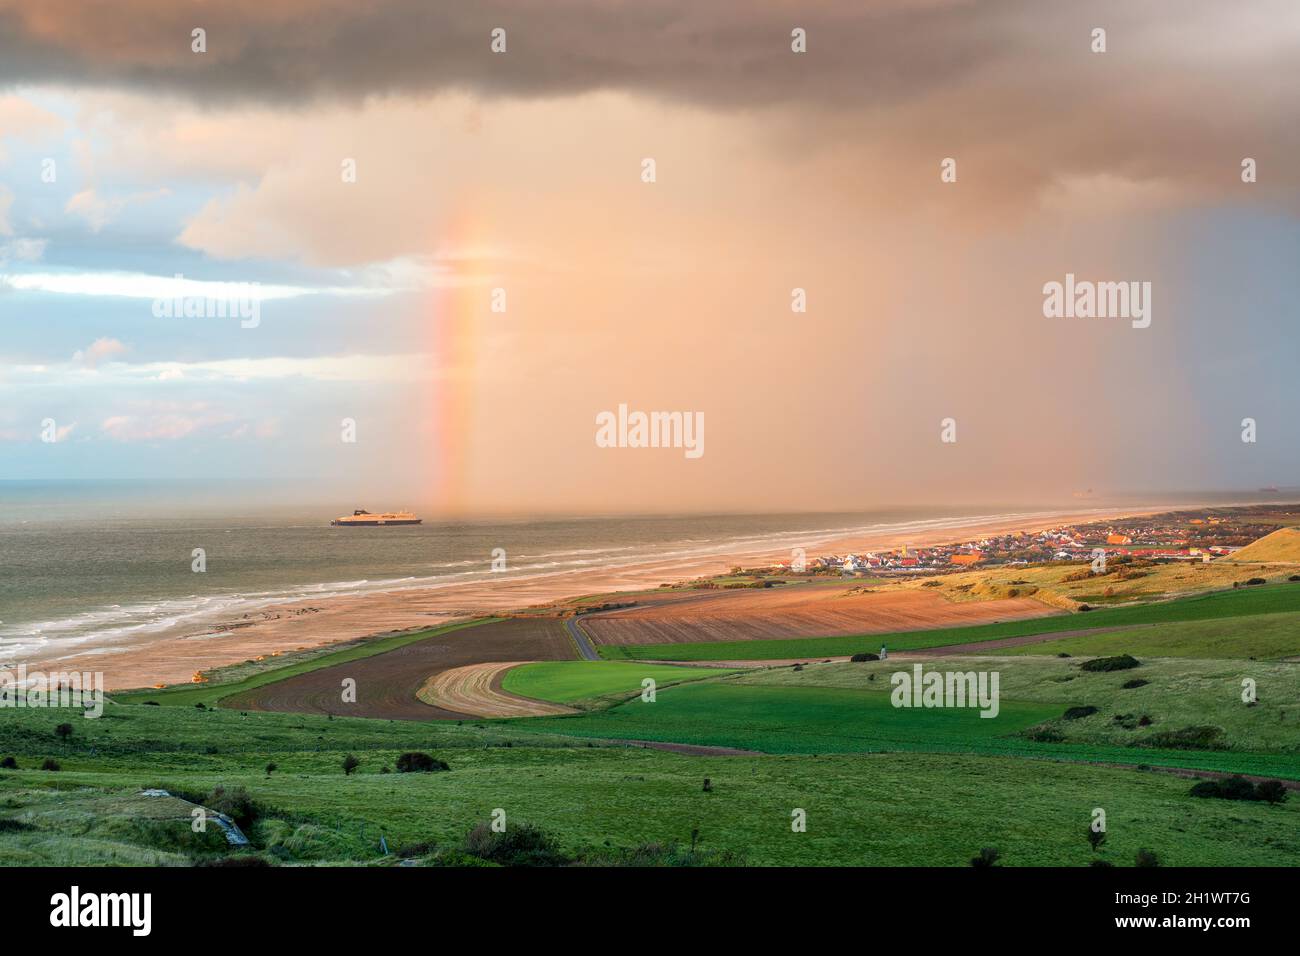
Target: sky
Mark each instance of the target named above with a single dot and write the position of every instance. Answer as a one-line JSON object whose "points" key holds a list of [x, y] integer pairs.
{"points": [[498, 271]]}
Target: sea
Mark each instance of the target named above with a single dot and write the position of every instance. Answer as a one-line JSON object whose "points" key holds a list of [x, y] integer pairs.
{"points": [[86, 564]]}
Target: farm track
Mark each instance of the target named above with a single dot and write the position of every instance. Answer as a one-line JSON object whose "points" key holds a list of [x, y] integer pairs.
{"points": [[476, 689], [387, 683]]}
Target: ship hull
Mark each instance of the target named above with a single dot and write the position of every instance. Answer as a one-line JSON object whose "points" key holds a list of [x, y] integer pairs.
{"points": [[374, 524]]}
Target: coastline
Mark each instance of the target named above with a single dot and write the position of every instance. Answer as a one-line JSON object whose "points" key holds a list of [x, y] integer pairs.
{"points": [[174, 655]]}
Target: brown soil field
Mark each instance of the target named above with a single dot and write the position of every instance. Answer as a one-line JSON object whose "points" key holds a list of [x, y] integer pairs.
{"points": [[794, 611], [476, 689], [387, 684]]}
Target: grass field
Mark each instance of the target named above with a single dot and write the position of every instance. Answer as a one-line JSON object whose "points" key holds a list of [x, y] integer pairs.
{"points": [[1177, 694], [1259, 637], [571, 682], [885, 809], [1269, 599]]}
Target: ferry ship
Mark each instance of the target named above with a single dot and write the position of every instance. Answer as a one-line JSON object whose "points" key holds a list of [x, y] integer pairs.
{"points": [[361, 518]]}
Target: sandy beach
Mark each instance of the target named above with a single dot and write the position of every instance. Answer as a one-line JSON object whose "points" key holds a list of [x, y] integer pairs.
{"points": [[173, 656]]}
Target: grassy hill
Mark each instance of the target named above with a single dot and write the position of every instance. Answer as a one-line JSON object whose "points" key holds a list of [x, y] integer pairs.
{"points": [[1282, 546], [903, 809]]}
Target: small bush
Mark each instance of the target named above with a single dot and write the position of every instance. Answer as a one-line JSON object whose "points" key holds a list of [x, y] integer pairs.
{"points": [[238, 861], [1294, 577], [1146, 857], [522, 844], [10, 825], [350, 763], [63, 731], [413, 761], [234, 802], [8, 763], [1096, 838], [1188, 738], [1084, 607], [987, 858], [1239, 788], [1135, 683], [1256, 581], [50, 764], [1121, 663], [862, 658], [1271, 791], [1062, 654], [1074, 713]]}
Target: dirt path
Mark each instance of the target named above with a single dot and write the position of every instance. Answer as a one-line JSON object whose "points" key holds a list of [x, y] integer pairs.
{"points": [[475, 689]]}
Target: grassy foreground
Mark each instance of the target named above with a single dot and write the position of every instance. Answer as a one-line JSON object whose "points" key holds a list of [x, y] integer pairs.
{"points": [[878, 810]]}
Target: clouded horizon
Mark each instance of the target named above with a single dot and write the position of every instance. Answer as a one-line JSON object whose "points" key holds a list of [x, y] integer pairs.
{"points": [[128, 160]]}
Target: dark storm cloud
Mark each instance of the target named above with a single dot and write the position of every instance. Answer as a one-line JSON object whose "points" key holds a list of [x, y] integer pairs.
{"points": [[714, 53]]}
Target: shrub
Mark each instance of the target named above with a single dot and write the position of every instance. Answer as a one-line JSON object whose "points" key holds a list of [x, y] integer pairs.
{"points": [[708, 785], [1084, 607], [10, 825], [1146, 857], [659, 854], [413, 761], [1144, 720], [1271, 791], [50, 764], [1121, 663], [271, 768], [1074, 713], [986, 859], [63, 731], [861, 658], [1239, 788], [1096, 838], [1062, 654], [350, 763], [1188, 738], [1294, 577], [1256, 581], [1135, 683], [240, 860], [8, 763], [1101, 863], [521, 844], [234, 802]]}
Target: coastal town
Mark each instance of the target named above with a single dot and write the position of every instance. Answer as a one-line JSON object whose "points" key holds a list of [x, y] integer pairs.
{"points": [[1199, 536]]}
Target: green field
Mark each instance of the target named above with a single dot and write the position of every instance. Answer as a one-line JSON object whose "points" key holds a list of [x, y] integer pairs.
{"points": [[1269, 599], [824, 720], [571, 682], [878, 810], [1259, 637]]}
